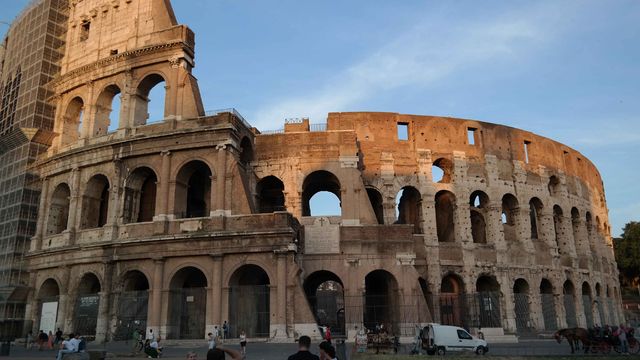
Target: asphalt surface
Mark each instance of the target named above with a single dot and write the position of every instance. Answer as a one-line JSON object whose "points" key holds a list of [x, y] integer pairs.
{"points": [[273, 351]]}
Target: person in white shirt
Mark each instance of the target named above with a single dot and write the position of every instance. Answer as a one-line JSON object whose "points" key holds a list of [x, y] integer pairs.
{"points": [[151, 336], [66, 347], [212, 341]]}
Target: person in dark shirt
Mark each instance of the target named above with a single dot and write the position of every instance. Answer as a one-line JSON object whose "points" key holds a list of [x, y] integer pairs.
{"points": [[304, 342]]}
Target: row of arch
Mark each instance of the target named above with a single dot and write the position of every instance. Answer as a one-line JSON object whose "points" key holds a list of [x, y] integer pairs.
{"points": [[106, 115], [249, 302]]}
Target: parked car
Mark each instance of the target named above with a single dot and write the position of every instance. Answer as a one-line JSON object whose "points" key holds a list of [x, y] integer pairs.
{"points": [[440, 339]]}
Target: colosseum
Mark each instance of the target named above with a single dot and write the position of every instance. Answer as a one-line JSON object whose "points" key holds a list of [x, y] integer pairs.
{"points": [[182, 223]]}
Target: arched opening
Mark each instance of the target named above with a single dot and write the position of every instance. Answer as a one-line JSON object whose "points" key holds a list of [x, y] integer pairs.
{"points": [[375, 198], [48, 300], [589, 226], [441, 171], [193, 190], [452, 301], [535, 216], [325, 293], [575, 227], [87, 304], [59, 210], [149, 101], [107, 111], [599, 317], [557, 227], [587, 302], [321, 194], [140, 196], [410, 208], [554, 185], [95, 203], [488, 295], [509, 217], [381, 301], [270, 192], [445, 205], [521, 307], [73, 121], [249, 301], [548, 305], [246, 152], [187, 304], [133, 302], [568, 292], [477, 211]]}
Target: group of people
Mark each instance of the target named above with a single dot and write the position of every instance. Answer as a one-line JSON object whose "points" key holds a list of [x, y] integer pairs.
{"points": [[44, 341], [73, 344], [621, 334]]}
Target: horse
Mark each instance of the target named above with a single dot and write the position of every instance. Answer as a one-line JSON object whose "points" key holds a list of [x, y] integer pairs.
{"points": [[573, 335]]}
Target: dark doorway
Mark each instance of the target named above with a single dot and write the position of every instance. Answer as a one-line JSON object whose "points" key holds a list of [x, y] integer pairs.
{"points": [[187, 306], [381, 301], [325, 294], [87, 304], [249, 302], [132, 305]]}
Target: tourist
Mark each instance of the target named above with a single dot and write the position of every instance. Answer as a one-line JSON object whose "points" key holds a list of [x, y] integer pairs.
{"points": [[225, 330], [50, 341], [66, 347], [192, 356], [621, 333], [151, 336], [219, 354], [211, 340], [323, 349], [243, 342], [58, 336], [28, 341], [304, 342], [327, 334], [154, 350], [216, 333], [43, 339]]}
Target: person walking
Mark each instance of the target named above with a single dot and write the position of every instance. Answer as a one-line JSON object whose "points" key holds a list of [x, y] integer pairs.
{"points": [[622, 336], [58, 336], [304, 343], [211, 340], [50, 341], [225, 330], [243, 342]]}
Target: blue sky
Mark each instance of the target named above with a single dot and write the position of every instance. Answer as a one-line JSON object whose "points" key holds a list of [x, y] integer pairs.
{"points": [[567, 70]]}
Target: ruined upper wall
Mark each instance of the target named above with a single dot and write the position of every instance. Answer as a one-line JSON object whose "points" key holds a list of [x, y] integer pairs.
{"points": [[377, 133], [102, 28]]}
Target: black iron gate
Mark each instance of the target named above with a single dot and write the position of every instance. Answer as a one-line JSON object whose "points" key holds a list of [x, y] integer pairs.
{"points": [[187, 313], [249, 310], [570, 311], [328, 308], [132, 313], [488, 305], [549, 312], [86, 319], [588, 313], [523, 315]]}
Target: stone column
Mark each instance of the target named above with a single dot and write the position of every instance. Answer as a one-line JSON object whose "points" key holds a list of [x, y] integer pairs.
{"points": [[280, 325], [75, 204], [155, 303], [508, 301], [523, 228], [102, 326], [162, 199], [494, 228], [43, 210], [218, 196], [214, 297], [172, 88]]}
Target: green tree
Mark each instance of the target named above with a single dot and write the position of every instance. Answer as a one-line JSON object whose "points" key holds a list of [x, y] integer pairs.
{"points": [[627, 251]]}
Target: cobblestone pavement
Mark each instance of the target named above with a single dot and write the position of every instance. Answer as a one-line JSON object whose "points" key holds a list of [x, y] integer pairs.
{"points": [[271, 351]]}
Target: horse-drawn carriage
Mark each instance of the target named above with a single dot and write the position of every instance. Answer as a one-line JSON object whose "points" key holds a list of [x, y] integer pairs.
{"points": [[597, 340], [382, 341]]}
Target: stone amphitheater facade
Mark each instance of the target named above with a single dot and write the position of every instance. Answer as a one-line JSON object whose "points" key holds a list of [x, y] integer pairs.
{"points": [[185, 223]]}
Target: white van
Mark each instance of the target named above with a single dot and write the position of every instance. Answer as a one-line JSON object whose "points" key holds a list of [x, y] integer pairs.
{"points": [[440, 339]]}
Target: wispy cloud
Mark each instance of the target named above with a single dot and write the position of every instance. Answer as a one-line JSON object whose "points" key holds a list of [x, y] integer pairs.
{"points": [[427, 53]]}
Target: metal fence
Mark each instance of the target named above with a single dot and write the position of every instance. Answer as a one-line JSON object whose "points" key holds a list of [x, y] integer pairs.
{"points": [[570, 311], [249, 310], [132, 313], [86, 317]]}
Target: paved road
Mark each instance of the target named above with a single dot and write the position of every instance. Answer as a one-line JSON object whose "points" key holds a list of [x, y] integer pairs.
{"points": [[270, 351]]}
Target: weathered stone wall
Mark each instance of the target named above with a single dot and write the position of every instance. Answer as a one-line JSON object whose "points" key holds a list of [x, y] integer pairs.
{"points": [[189, 215]]}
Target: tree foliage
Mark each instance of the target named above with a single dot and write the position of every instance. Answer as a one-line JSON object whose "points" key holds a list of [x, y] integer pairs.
{"points": [[627, 251]]}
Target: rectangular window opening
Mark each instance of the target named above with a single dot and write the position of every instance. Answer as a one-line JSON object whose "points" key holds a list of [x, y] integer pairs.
{"points": [[526, 151], [403, 131], [471, 136], [84, 30]]}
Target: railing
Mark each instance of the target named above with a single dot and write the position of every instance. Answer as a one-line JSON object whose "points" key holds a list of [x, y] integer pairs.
{"points": [[231, 111], [318, 127]]}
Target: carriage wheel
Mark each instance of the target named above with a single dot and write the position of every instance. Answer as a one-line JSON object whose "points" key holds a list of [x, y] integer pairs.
{"points": [[605, 347], [634, 347]]}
